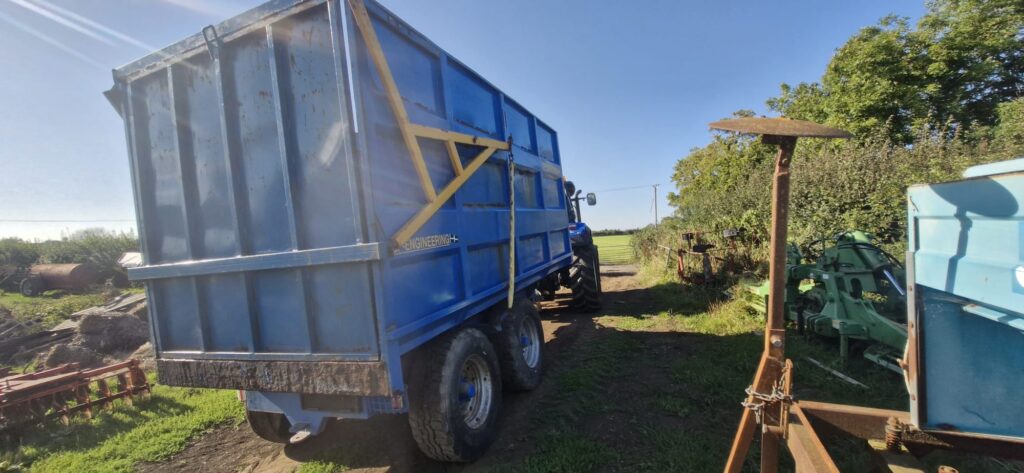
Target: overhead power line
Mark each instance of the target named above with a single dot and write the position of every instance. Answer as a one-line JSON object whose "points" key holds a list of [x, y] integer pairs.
{"points": [[644, 186]]}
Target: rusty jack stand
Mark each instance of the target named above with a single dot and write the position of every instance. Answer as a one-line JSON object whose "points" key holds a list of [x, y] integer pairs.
{"points": [[768, 398]]}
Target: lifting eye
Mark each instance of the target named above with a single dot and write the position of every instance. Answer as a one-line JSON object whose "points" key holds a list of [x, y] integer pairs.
{"points": [[856, 289]]}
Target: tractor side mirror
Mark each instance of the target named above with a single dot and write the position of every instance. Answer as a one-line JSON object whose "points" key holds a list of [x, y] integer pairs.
{"points": [[591, 198]]}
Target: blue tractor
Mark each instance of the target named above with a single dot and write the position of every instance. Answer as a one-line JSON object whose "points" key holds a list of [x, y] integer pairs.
{"points": [[583, 278]]}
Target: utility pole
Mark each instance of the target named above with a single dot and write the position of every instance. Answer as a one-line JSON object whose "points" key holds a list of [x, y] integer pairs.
{"points": [[655, 186]]}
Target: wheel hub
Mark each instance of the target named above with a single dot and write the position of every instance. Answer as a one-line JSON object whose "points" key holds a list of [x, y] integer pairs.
{"points": [[529, 339], [475, 391]]}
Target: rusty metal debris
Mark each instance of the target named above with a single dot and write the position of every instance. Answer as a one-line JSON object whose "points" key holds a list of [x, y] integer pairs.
{"points": [[66, 390], [779, 127]]}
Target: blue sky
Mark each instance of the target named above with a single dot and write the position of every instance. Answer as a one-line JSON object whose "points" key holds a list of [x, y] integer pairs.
{"points": [[629, 86]]}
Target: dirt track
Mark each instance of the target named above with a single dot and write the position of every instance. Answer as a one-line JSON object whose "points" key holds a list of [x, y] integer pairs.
{"points": [[384, 444]]}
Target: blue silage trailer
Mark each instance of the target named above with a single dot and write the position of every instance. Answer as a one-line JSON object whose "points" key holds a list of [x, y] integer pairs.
{"points": [[323, 200]]}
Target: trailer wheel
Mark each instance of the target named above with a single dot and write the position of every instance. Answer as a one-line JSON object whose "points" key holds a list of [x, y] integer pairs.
{"points": [[31, 287], [455, 396], [269, 426], [520, 346], [585, 279]]}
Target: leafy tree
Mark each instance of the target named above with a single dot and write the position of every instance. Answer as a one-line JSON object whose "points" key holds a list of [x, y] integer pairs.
{"points": [[1008, 133], [925, 101], [713, 183], [975, 58], [806, 101], [964, 58], [874, 82]]}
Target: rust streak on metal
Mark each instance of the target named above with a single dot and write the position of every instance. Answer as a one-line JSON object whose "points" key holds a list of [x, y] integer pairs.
{"points": [[64, 276], [784, 127], [860, 422], [808, 451], [307, 377]]}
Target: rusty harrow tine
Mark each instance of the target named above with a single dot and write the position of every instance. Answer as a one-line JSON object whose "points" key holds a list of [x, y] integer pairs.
{"points": [[64, 391]]}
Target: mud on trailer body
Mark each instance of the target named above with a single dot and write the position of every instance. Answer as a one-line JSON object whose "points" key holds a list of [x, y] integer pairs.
{"points": [[320, 191]]}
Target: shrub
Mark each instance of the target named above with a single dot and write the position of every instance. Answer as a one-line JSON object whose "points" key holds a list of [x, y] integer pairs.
{"points": [[99, 247], [17, 252]]}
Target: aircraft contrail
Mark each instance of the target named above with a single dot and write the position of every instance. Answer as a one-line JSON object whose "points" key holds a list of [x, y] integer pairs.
{"points": [[52, 42], [61, 20], [92, 24]]}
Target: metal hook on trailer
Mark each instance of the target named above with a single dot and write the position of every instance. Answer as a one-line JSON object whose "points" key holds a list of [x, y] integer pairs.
{"points": [[212, 41]]}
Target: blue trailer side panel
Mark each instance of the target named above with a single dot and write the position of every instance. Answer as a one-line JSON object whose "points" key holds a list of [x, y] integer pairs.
{"points": [[270, 174], [967, 240]]}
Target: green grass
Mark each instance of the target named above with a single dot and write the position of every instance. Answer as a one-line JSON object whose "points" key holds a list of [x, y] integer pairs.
{"points": [[151, 430], [702, 351], [564, 452], [615, 249], [49, 308], [321, 466]]}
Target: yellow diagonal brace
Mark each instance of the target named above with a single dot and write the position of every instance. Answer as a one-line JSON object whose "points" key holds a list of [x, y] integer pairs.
{"points": [[453, 155], [445, 135], [394, 98], [412, 132], [414, 224]]}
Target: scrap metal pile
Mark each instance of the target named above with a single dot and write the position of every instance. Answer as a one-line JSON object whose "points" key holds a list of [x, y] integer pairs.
{"points": [[66, 390], [89, 337], [699, 261]]}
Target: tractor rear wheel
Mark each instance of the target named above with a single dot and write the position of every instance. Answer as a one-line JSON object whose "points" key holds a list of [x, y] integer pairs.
{"points": [[455, 396], [269, 426], [585, 279]]}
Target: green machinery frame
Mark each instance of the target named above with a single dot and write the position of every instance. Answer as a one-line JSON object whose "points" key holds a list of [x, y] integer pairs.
{"points": [[853, 290]]}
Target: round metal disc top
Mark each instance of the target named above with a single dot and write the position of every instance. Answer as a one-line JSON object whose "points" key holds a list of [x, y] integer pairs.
{"points": [[779, 127]]}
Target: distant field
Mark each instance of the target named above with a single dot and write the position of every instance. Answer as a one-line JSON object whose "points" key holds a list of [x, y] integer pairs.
{"points": [[614, 249]]}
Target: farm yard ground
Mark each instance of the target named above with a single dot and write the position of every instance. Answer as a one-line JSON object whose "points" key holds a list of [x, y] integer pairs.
{"points": [[652, 382]]}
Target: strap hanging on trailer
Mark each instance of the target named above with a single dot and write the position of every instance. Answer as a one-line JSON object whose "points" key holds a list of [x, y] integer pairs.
{"points": [[411, 133], [511, 224]]}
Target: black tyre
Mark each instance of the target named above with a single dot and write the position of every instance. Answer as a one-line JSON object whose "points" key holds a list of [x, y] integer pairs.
{"points": [[548, 287], [585, 280], [520, 346], [31, 287], [269, 426], [455, 396]]}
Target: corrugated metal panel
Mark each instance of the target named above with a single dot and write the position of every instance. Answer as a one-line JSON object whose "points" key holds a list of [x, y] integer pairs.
{"points": [[248, 151]]}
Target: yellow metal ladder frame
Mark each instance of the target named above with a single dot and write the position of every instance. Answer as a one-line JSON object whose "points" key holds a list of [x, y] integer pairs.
{"points": [[411, 133]]}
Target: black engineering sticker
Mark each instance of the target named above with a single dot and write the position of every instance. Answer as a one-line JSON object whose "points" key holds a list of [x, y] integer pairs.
{"points": [[428, 242]]}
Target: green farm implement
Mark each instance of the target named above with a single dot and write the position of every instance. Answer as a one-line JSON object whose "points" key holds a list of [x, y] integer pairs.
{"points": [[852, 290]]}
